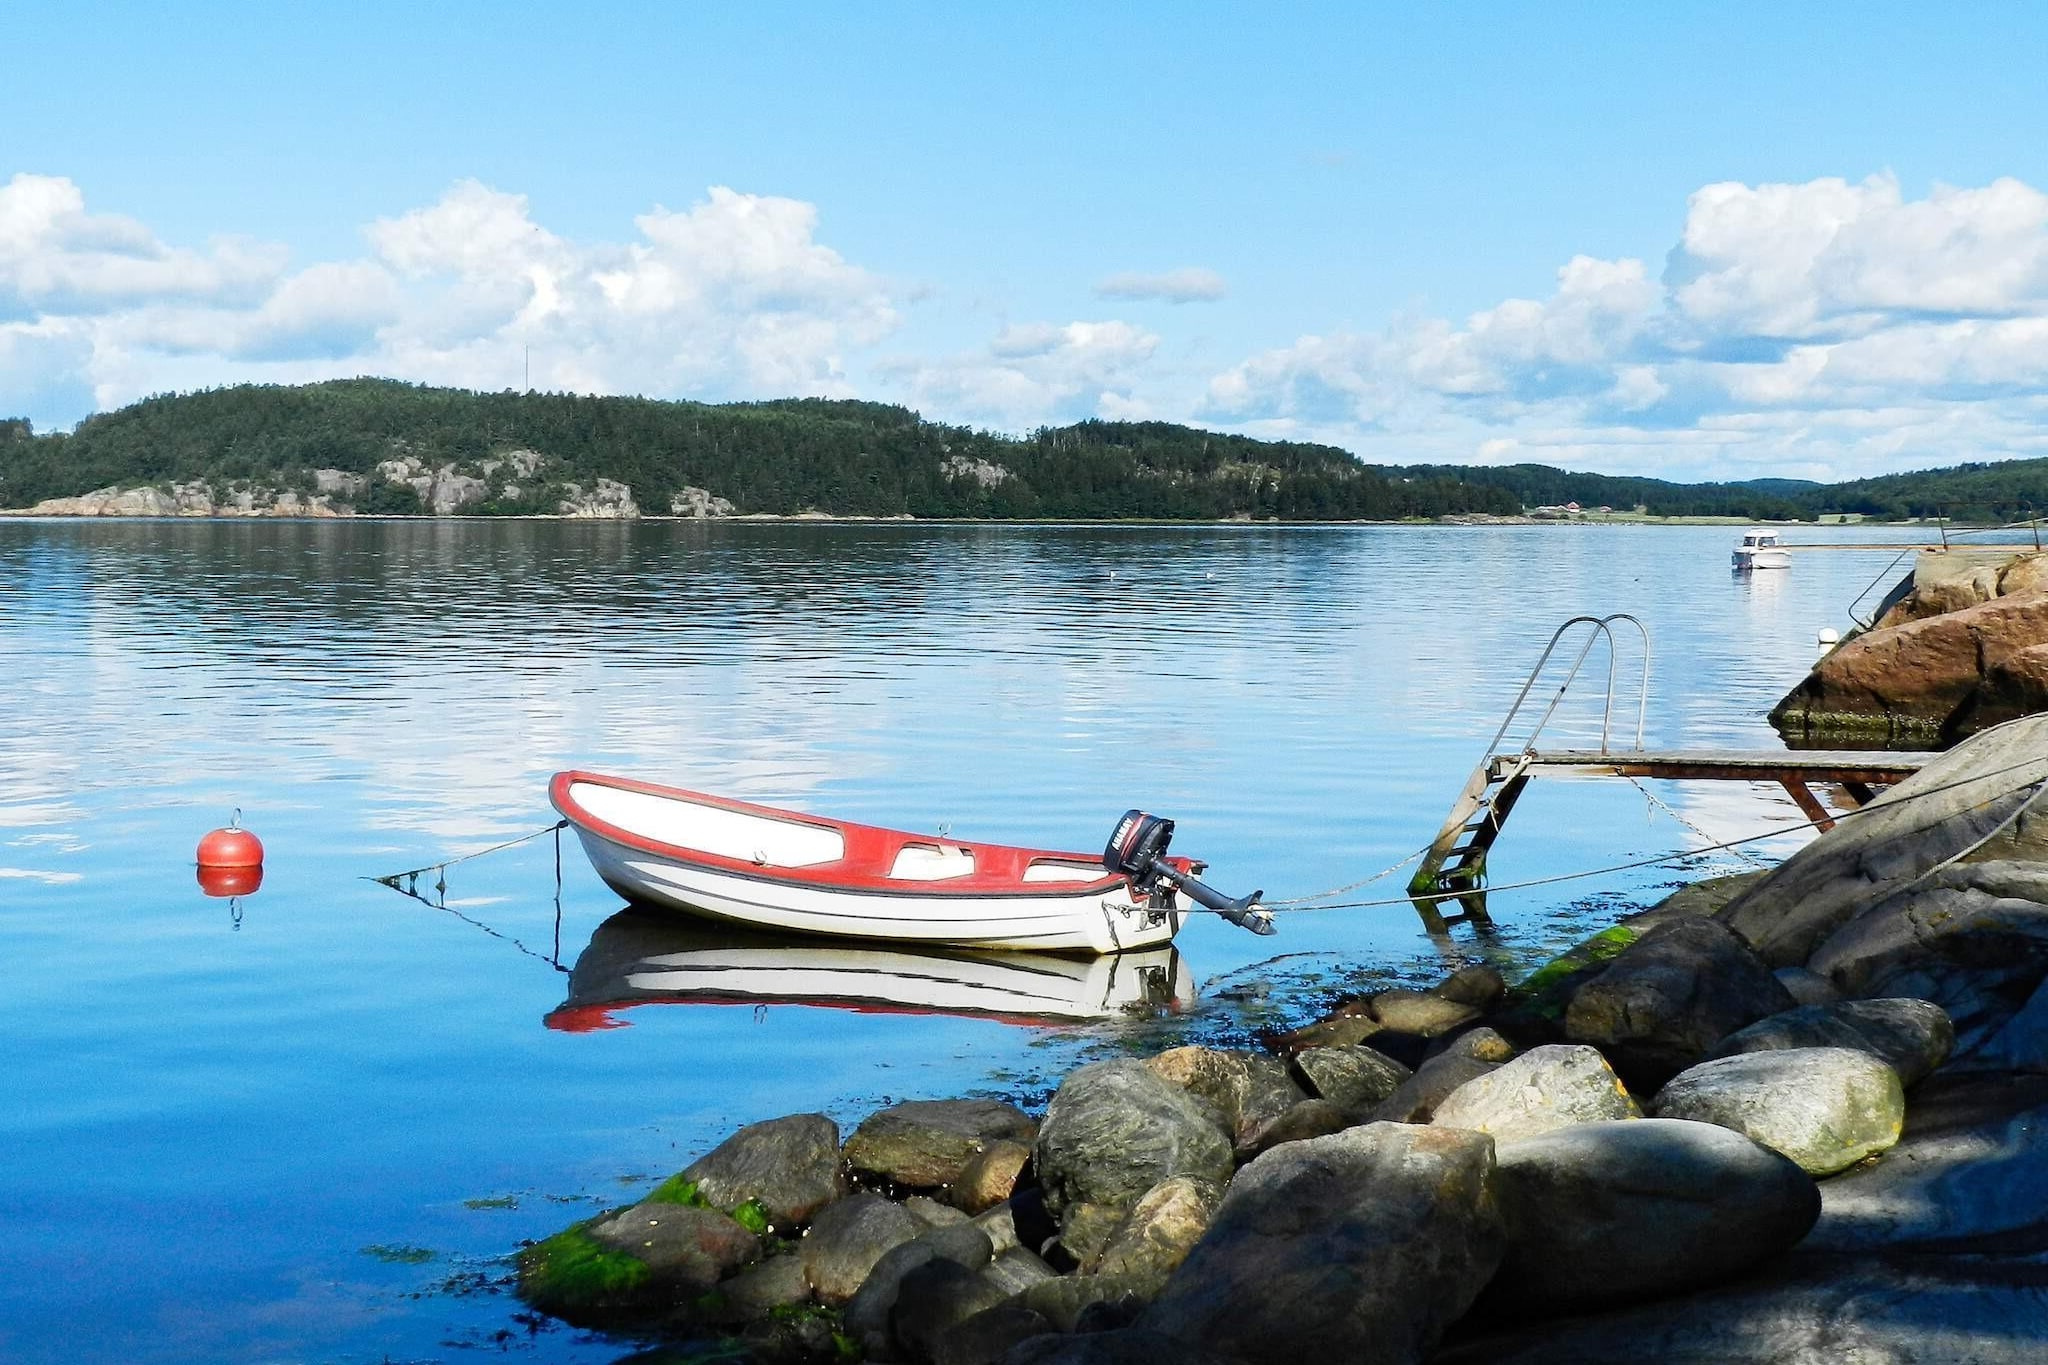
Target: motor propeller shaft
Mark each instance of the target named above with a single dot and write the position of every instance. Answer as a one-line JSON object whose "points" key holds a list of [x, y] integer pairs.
{"points": [[1137, 849]]}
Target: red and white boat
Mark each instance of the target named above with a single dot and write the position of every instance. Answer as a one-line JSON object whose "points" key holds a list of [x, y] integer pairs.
{"points": [[779, 869]]}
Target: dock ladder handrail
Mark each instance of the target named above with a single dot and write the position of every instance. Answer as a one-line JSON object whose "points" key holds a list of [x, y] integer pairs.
{"points": [[1457, 856]]}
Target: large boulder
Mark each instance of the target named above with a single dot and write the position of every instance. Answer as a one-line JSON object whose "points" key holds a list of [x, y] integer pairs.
{"points": [[790, 1166], [1246, 1090], [687, 1249], [1825, 1310], [1114, 1130], [1911, 1036], [1609, 1212], [633, 1263], [926, 1144], [1923, 677], [1938, 813], [1670, 996], [1353, 1078], [1971, 937], [846, 1239], [1826, 1108], [1969, 1175], [1543, 1089], [1360, 1247]]}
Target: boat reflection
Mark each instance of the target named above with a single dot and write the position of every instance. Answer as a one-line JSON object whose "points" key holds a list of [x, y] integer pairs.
{"points": [[642, 957]]}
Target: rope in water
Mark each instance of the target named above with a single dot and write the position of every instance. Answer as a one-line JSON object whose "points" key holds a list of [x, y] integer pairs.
{"points": [[412, 875]]}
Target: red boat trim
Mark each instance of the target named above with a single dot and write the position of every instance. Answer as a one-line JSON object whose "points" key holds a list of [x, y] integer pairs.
{"points": [[998, 873]]}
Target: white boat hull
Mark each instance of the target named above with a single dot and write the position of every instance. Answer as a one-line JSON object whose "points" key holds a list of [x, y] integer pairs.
{"points": [[1761, 559], [1050, 923]]}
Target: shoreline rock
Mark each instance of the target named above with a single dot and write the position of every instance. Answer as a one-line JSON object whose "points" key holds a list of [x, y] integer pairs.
{"points": [[1329, 1202]]}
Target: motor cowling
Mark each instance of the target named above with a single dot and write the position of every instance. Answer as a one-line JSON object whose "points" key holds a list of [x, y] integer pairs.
{"points": [[1137, 850]]}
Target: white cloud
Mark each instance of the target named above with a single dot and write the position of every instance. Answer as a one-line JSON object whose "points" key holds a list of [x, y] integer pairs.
{"points": [[55, 258], [1829, 328], [1190, 284], [1787, 316], [1033, 373], [731, 297]]}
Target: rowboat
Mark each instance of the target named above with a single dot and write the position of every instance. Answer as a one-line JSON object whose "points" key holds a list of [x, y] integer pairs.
{"points": [[797, 873], [642, 958]]}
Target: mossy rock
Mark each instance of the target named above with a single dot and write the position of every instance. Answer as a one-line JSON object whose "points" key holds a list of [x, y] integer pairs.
{"points": [[573, 1277], [750, 1214]]}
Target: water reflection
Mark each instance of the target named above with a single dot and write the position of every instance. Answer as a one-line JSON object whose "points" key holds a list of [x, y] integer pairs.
{"points": [[644, 957]]}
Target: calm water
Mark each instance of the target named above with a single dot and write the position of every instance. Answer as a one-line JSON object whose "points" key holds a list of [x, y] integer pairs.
{"points": [[309, 1125]]}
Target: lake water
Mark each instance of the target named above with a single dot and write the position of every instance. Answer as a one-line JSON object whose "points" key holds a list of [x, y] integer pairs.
{"points": [[311, 1124]]}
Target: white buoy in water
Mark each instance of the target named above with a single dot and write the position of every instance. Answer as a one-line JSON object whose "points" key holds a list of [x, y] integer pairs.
{"points": [[1829, 637]]}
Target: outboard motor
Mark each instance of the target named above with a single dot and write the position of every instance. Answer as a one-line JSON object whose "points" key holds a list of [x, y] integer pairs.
{"points": [[1137, 849]]}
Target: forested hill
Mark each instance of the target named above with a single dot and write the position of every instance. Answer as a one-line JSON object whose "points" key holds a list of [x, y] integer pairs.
{"points": [[379, 446], [851, 458]]}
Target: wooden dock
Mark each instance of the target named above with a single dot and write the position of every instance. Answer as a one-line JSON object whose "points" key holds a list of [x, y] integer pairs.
{"points": [[1456, 861]]}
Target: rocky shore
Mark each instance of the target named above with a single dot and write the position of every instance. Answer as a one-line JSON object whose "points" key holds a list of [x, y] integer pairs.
{"points": [[1788, 1116], [1960, 645], [452, 488]]}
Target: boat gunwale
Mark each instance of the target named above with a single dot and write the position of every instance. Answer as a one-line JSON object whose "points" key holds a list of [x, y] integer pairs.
{"points": [[831, 876]]}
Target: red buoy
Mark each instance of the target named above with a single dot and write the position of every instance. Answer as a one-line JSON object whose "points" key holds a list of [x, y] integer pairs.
{"points": [[231, 847]]}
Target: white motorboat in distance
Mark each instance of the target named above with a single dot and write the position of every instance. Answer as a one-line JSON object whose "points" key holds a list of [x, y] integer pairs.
{"points": [[1760, 550], [805, 874]]}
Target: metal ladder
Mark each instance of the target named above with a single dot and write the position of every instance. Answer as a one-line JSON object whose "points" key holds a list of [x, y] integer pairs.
{"points": [[1456, 860]]}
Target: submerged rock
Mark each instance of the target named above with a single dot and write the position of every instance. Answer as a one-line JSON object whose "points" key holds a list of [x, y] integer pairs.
{"points": [[1913, 1037], [1543, 1089], [1603, 1213], [1358, 1247], [1670, 996], [1826, 1108]]}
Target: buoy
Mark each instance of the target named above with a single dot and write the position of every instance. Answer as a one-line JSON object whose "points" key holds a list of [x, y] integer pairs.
{"points": [[231, 847], [1828, 637], [226, 882]]}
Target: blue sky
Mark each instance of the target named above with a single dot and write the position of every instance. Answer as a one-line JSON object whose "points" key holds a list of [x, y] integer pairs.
{"points": [[1696, 241]]}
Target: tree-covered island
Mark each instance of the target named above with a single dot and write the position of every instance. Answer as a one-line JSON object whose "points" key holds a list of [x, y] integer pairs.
{"points": [[381, 447]]}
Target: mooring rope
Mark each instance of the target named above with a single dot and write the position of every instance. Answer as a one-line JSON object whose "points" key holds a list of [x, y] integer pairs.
{"points": [[2039, 785], [411, 877], [1294, 901]]}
